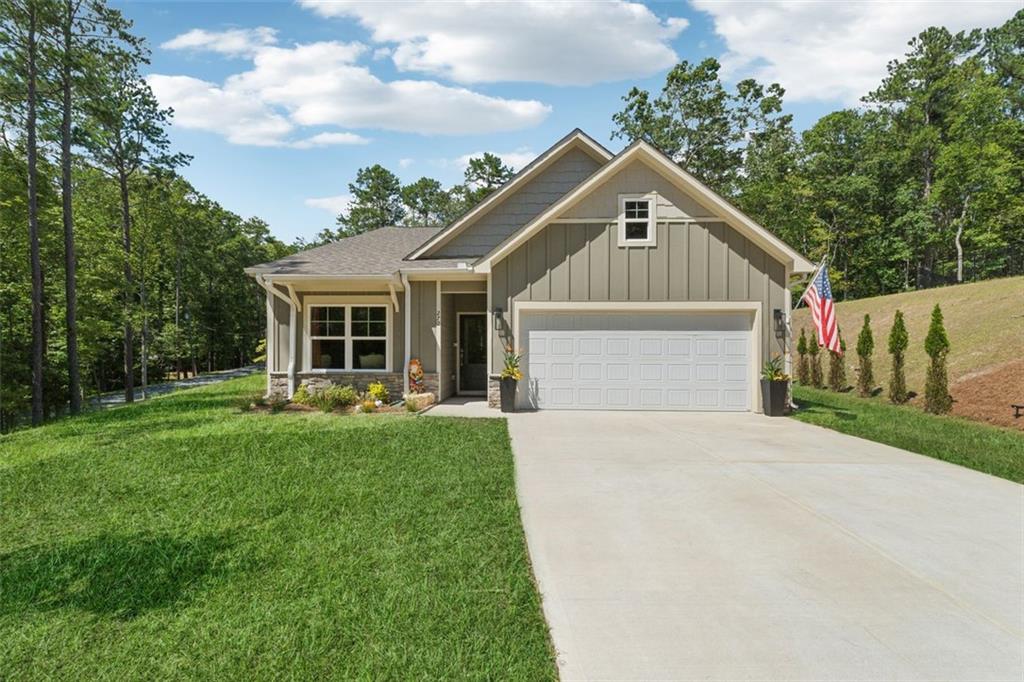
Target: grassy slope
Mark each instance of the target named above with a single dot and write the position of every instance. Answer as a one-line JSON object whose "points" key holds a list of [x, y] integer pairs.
{"points": [[984, 320], [181, 538], [990, 449]]}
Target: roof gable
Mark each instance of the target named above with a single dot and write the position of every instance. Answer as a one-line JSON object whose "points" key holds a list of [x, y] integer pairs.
{"points": [[663, 165], [576, 140]]}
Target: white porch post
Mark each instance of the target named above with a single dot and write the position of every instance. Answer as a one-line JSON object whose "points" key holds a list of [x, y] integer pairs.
{"points": [[407, 336], [293, 327]]}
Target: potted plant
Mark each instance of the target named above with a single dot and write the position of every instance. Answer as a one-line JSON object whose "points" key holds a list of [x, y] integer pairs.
{"points": [[510, 376], [774, 387]]}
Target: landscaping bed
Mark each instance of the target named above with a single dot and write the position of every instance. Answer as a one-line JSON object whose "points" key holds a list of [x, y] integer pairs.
{"points": [[185, 538]]}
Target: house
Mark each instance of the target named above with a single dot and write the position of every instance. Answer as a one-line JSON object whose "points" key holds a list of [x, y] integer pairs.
{"points": [[627, 282]]}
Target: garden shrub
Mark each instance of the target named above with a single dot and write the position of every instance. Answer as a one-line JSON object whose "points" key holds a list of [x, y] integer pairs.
{"points": [[368, 406], [803, 369], [815, 351], [378, 391], [837, 367], [302, 395], [898, 341], [865, 348], [936, 388], [328, 398]]}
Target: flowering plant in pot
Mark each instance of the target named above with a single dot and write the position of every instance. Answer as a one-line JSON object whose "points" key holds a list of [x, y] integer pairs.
{"points": [[511, 374], [774, 387]]}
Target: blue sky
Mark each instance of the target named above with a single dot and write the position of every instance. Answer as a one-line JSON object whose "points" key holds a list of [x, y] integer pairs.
{"points": [[280, 103]]}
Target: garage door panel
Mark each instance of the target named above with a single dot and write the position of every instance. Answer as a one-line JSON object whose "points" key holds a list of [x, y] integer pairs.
{"points": [[637, 361]]}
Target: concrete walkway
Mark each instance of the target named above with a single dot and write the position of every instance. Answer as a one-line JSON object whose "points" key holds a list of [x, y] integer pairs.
{"points": [[117, 398], [738, 547]]}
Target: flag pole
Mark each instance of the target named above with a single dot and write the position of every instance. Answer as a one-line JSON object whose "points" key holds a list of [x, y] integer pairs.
{"points": [[824, 260]]}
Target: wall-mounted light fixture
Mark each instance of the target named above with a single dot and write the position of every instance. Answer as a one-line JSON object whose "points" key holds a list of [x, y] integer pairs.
{"points": [[779, 323], [498, 320]]}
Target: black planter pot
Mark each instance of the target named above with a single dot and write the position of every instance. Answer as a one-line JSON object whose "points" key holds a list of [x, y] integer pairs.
{"points": [[508, 394], [773, 397]]}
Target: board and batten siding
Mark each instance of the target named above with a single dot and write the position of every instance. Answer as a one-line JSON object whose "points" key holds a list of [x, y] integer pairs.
{"points": [[492, 228], [425, 324], [692, 261]]}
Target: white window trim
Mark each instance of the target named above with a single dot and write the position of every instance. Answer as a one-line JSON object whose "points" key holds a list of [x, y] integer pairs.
{"points": [[652, 220], [332, 302]]}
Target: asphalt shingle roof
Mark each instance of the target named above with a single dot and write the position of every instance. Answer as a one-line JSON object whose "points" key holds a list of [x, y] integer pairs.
{"points": [[378, 252]]}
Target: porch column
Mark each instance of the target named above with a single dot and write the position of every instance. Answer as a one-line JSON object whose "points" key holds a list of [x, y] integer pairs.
{"points": [[407, 336]]}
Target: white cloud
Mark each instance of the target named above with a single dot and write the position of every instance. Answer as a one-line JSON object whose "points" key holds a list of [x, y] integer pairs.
{"points": [[233, 42], [320, 84], [201, 105], [329, 139], [824, 50], [333, 205], [561, 43], [405, 163]]}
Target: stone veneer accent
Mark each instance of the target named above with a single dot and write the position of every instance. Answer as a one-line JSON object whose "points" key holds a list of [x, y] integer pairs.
{"points": [[393, 380], [493, 391]]}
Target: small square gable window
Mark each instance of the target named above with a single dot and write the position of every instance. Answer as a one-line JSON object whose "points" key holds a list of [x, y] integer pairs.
{"points": [[636, 221]]}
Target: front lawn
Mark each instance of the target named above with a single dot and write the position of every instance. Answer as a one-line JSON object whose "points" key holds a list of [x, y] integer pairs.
{"points": [[182, 538], [990, 449]]}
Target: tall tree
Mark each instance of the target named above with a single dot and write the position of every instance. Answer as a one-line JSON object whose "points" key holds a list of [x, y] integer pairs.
{"points": [[22, 63], [425, 201], [376, 201], [484, 174], [126, 132]]}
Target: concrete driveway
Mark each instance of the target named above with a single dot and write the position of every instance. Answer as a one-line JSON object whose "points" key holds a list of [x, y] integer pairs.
{"points": [[738, 547]]}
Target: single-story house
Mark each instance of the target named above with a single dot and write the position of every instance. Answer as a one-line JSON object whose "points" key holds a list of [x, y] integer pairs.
{"points": [[627, 283]]}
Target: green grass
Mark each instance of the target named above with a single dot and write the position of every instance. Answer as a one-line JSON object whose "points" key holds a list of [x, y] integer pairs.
{"points": [[989, 449], [180, 538], [983, 319]]}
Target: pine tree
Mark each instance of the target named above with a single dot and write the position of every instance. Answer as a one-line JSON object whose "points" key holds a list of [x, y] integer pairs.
{"points": [[898, 341], [803, 369], [865, 347], [837, 367], [936, 389], [816, 374]]}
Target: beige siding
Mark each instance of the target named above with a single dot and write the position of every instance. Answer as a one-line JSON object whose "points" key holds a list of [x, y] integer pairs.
{"points": [[705, 261], [638, 178], [521, 207]]}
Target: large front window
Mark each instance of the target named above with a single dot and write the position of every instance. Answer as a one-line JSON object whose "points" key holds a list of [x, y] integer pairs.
{"points": [[348, 337]]}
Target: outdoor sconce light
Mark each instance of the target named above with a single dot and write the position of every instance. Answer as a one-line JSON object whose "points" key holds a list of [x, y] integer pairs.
{"points": [[780, 323], [498, 322]]}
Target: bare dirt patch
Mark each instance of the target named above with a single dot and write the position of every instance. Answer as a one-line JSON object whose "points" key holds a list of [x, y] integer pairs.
{"points": [[986, 395]]}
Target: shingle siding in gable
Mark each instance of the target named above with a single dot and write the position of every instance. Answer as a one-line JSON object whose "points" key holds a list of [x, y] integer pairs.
{"points": [[529, 201]]}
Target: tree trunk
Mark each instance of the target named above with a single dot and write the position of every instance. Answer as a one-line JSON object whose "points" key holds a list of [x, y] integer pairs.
{"points": [[33, 226], [177, 314], [959, 244], [70, 288], [145, 313], [129, 331]]}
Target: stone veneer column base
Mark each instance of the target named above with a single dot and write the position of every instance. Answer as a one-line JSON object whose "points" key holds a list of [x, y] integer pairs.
{"points": [[493, 391]]}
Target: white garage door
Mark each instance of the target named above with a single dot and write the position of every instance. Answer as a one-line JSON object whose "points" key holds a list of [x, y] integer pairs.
{"points": [[620, 361]]}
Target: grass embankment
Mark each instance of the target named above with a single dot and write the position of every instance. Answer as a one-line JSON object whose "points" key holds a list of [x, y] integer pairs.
{"points": [[989, 449], [181, 538]]}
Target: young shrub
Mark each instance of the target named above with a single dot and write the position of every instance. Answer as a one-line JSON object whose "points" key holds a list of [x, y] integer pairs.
{"points": [[277, 405], [837, 368], [343, 396], [898, 341], [936, 388], [865, 347], [368, 406], [378, 391], [803, 367], [302, 395], [815, 351], [410, 406]]}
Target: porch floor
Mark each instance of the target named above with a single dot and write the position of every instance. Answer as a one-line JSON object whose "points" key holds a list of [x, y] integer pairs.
{"points": [[462, 406]]}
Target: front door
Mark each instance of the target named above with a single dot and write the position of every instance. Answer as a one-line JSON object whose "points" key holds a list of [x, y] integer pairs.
{"points": [[472, 353]]}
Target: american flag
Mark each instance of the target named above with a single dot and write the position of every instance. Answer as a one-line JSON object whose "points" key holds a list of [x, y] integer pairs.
{"points": [[818, 298]]}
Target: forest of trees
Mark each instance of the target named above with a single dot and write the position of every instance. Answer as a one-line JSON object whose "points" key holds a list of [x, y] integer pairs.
{"points": [[114, 271]]}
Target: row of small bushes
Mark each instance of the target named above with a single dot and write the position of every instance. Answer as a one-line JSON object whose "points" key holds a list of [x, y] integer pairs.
{"points": [[334, 397], [936, 344]]}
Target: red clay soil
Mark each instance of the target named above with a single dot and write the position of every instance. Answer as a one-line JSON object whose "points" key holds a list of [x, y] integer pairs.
{"points": [[986, 395]]}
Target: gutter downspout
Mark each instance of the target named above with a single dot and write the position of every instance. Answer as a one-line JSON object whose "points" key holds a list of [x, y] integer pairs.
{"points": [[407, 336], [296, 338]]}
